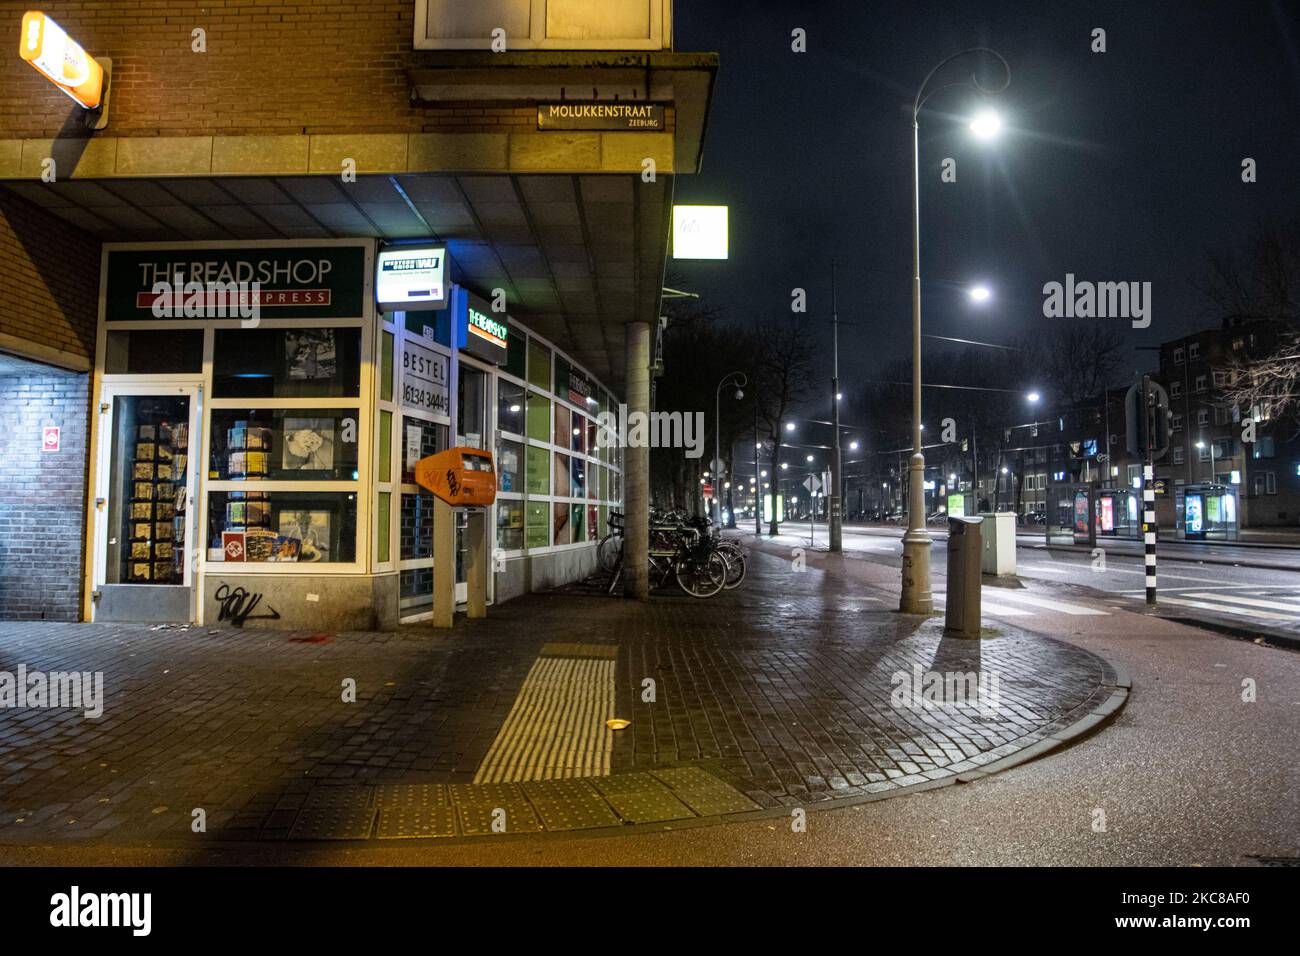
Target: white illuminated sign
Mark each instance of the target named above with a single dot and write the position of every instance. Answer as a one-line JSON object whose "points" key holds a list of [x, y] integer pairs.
{"points": [[700, 232], [410, 278]]}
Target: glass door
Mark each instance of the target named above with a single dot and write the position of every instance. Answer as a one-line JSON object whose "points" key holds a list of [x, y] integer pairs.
{"points": [[144, 507]]}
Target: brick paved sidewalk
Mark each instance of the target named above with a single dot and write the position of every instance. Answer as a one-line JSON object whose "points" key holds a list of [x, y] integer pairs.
{"points": [[774, 695]]}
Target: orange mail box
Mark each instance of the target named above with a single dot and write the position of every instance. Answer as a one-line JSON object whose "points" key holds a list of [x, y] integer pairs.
{"points": [[465, 477]]}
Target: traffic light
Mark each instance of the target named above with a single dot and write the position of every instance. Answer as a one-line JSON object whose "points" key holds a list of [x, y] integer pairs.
{"points": [[1147, 412]]}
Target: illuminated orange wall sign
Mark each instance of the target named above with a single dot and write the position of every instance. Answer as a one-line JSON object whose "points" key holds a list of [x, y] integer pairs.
{"points": [[47, 46]]}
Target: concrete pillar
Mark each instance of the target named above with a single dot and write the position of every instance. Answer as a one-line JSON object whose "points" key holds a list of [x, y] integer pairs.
{"points": [[636, 468]]}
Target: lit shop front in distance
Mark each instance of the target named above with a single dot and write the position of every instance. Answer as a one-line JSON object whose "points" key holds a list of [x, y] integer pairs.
{"points": [[260, 468]]}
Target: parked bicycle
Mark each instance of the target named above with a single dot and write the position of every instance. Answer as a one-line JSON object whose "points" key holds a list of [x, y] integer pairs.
{"points": [[683, 549]]}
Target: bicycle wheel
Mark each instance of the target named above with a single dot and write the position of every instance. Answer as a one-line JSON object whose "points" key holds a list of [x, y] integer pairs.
{"points": [[702, 578], [736, 567], [609, 551]]}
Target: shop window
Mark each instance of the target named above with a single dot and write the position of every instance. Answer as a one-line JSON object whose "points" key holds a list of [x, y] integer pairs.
{"points": [[386, 368], [563, 532], [385, 446], [510, 525], [562, 476], [563, 422], [509, 464], [578, 478], [420, 439], [283, 526], [148, 352], [416, 532], [471, 409], [510, 407], [284, 444], [516, 355], [578, 520], [539, 418], [578, 435], [384, 522], [593, 524], [286, 363], [539, 365], [537, 527], [538, 471]]}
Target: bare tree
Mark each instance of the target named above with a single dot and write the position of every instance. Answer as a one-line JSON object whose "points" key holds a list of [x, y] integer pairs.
{"points": [[1078, 361], [783, 379], [1262, 285]]}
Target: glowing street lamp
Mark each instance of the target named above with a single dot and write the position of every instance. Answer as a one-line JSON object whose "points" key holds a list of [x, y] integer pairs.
{"points": [[986, 124], [980, 294]]}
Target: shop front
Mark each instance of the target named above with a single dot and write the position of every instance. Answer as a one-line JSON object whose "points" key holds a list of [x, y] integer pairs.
{"points": [[256, 465]]}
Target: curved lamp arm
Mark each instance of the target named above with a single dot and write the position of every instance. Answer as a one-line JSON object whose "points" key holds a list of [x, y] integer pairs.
{"points": [[922, 97]]}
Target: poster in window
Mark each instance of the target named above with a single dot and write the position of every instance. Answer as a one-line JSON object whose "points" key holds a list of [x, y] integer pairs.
{"points": [[311, 529], [308, 444], [310, 355]]}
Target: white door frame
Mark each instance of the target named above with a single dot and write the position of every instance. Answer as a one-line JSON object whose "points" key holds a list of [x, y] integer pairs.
{"points": [[147, 388]]}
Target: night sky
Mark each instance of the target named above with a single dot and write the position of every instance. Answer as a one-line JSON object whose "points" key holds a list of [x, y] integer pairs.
{"points": [[1115, 166]]}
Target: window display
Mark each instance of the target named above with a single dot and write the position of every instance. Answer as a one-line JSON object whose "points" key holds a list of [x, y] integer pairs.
{"points": [[286, 363], [149, 490], [280, 526], [284, 444]]}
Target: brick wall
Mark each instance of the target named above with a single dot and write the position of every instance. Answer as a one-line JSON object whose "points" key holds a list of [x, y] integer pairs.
{"points": [[42, 496], [271, 67], [49, 279]]}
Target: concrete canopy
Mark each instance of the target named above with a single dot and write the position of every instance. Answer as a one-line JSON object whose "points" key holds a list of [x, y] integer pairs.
{"points": [[578, 255]]}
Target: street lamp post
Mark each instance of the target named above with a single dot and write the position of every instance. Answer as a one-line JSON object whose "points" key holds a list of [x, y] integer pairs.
{"points": [[834, 502], [916, 595], [741, 381]]}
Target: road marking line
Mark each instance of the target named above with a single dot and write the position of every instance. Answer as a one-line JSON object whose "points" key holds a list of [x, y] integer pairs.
{"points": [[988, 607], [1046, 569], [1050, 605], [1243, 611], [1252, 602]]}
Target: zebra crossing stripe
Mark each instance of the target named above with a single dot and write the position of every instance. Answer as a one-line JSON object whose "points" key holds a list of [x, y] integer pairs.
{"points": [[1252, 602], [1050, 605], [1244, 611]]}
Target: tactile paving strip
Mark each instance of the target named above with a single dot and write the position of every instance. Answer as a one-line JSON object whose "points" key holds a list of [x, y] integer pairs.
{"points": [[704, 793], [416, 822], [476, 805], [640, 798], [570, 805], [339, 797], [392, 795], [333, 823]]}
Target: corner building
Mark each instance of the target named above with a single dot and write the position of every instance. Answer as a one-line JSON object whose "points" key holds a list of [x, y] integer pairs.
{"points": [[293, 143]]}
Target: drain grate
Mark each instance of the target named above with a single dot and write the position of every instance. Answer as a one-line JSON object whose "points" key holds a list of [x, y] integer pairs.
{"points": [[640, 798], [704, 793], [570, 805]]}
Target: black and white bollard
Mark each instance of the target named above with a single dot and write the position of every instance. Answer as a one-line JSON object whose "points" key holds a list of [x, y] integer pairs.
{"points": [[1149, 528]]}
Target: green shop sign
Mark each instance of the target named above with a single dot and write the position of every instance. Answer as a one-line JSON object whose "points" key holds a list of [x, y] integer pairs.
{"points": [[240, 282]]}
